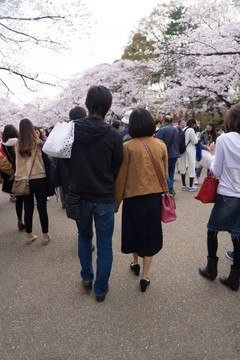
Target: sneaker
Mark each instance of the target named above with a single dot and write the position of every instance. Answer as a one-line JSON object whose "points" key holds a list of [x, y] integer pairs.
{"points": [[191, 188], [229, 255], [30, 238], [184, 188], [46, 239], [172, 192], [196, 181]]}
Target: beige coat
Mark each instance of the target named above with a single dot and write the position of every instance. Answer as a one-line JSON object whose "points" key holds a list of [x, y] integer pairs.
{"points": [[137, 175], [5, 167], [24, 164]]}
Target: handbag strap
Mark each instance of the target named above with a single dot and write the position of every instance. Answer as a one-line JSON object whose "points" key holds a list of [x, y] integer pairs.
{"points": [[154, 165], [33, 162]]}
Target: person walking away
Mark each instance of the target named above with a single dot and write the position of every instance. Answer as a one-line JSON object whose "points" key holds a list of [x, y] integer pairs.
{"points": [[125, 120], [96, 158], [30, 159], [207, 138], [10, 138], [225, 215], [188, 158], [5, 167], [170, 136], [141, 211]]}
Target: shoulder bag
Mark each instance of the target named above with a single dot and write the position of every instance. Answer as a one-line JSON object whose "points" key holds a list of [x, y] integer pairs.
{"points": [[168, 207]]}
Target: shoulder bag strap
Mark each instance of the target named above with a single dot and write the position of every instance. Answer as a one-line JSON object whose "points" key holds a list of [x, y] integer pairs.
{"points": [[154, 165], [33, 162]]}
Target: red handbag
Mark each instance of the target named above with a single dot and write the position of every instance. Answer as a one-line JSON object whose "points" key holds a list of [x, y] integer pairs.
{"points": [[168, 207], [208, 191]]}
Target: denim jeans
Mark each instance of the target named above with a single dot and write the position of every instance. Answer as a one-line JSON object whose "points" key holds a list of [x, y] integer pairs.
{"points": [[103, 215], [171, 171]]}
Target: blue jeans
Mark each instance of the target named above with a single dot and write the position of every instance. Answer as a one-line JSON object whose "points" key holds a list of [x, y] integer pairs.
{"points": [[171, 171], [103, 215]]}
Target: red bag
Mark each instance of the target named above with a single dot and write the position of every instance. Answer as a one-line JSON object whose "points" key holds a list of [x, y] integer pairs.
{"points": [[208, 191], [168, 213]]}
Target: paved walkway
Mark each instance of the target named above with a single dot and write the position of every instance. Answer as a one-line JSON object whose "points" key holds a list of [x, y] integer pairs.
{"points": [[47, 315]]}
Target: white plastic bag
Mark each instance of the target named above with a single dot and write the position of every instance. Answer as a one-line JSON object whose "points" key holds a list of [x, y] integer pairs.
{"points": [[60, 140]]}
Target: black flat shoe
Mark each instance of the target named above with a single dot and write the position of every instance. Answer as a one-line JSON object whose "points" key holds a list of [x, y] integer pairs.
{"points": [[144, 284], [135, 268]]}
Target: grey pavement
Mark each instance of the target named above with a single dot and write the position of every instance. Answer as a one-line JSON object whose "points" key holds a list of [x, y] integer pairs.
{"points": [[47, 315]]}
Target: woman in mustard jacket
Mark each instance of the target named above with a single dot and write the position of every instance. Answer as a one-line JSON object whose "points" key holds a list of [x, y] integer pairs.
{"points": [[138, 186]]}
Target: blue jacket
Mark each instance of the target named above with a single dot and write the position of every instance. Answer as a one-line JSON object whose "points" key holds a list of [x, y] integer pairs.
{"points": [[165, 133]]}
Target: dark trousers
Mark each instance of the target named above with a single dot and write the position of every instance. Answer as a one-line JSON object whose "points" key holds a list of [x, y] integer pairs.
{"points": [[171, 171], [19, 206], [42, 210], [212, 243]]}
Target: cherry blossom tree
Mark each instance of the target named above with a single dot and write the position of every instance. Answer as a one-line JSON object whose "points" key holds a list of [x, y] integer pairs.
{"points": [[26, 26], [206, 59], [127, 80]]}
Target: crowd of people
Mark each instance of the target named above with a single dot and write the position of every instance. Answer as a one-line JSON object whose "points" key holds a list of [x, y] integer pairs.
{"points": [[99, 187]]}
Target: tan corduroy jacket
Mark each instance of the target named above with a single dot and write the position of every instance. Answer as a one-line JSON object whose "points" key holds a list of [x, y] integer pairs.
{"points": [[137, 175], [24, 164], [5, 167]]}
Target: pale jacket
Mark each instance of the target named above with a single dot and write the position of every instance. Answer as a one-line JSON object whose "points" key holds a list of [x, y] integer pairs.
{"points": [[24, 163], [137, 175], [226, 164]]}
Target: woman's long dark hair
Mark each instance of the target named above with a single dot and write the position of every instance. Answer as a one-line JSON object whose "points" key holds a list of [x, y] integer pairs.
{"points": [[213, 131], [27, 138], [9, 132]]}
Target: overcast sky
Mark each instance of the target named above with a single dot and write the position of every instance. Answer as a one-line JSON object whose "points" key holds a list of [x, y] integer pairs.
{"points": [[111, 21]]}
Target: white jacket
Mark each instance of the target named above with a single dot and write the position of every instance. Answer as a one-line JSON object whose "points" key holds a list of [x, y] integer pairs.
{"points": [[226, 164]]}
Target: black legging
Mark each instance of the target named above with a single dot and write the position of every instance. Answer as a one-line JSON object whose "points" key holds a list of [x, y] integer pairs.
{"points": [[42, 210], [212, 244], [19, 206]]}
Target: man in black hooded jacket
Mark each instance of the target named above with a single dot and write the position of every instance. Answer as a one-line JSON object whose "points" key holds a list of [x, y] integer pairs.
{"points": [[97, 155]]}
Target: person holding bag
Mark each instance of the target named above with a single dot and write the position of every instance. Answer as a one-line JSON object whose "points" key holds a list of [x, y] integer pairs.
{"points": [[30, 168], [10, 138], [138, 186], [225, 215]]}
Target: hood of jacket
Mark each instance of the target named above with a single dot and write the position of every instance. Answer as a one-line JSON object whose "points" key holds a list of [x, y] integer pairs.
{"points": [[89, 130], [11, 142]]}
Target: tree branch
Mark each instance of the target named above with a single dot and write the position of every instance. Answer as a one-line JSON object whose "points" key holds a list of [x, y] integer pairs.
{"points": [[50, 17], [24, 77]]}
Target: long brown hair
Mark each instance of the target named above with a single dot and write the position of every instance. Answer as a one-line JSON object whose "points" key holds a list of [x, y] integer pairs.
{"points": [[9, 132], [232, 119], [27, 137]]}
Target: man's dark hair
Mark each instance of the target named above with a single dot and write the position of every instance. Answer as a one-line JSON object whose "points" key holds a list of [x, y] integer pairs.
{"points": [[180, 120], [98, 101], [168, 118], [77, 113], [116, 124], [141, 123]]}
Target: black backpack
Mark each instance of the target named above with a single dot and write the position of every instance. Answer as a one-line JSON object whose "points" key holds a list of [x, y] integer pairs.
{"points": [[182, 146]]}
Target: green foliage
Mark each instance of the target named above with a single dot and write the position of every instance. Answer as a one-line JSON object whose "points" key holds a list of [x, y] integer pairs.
{"points": [[175, 28], [139, 49]]}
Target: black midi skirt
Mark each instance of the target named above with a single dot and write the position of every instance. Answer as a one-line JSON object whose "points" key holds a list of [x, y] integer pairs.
{"points": [[141, 225]]}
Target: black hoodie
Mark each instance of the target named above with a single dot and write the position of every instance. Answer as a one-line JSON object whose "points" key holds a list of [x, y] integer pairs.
{"points": [[97, 155]]}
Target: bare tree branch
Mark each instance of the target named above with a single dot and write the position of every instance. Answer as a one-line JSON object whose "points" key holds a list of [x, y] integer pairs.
{"points": [[24, 76], [50, 17], [27, 35]]}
